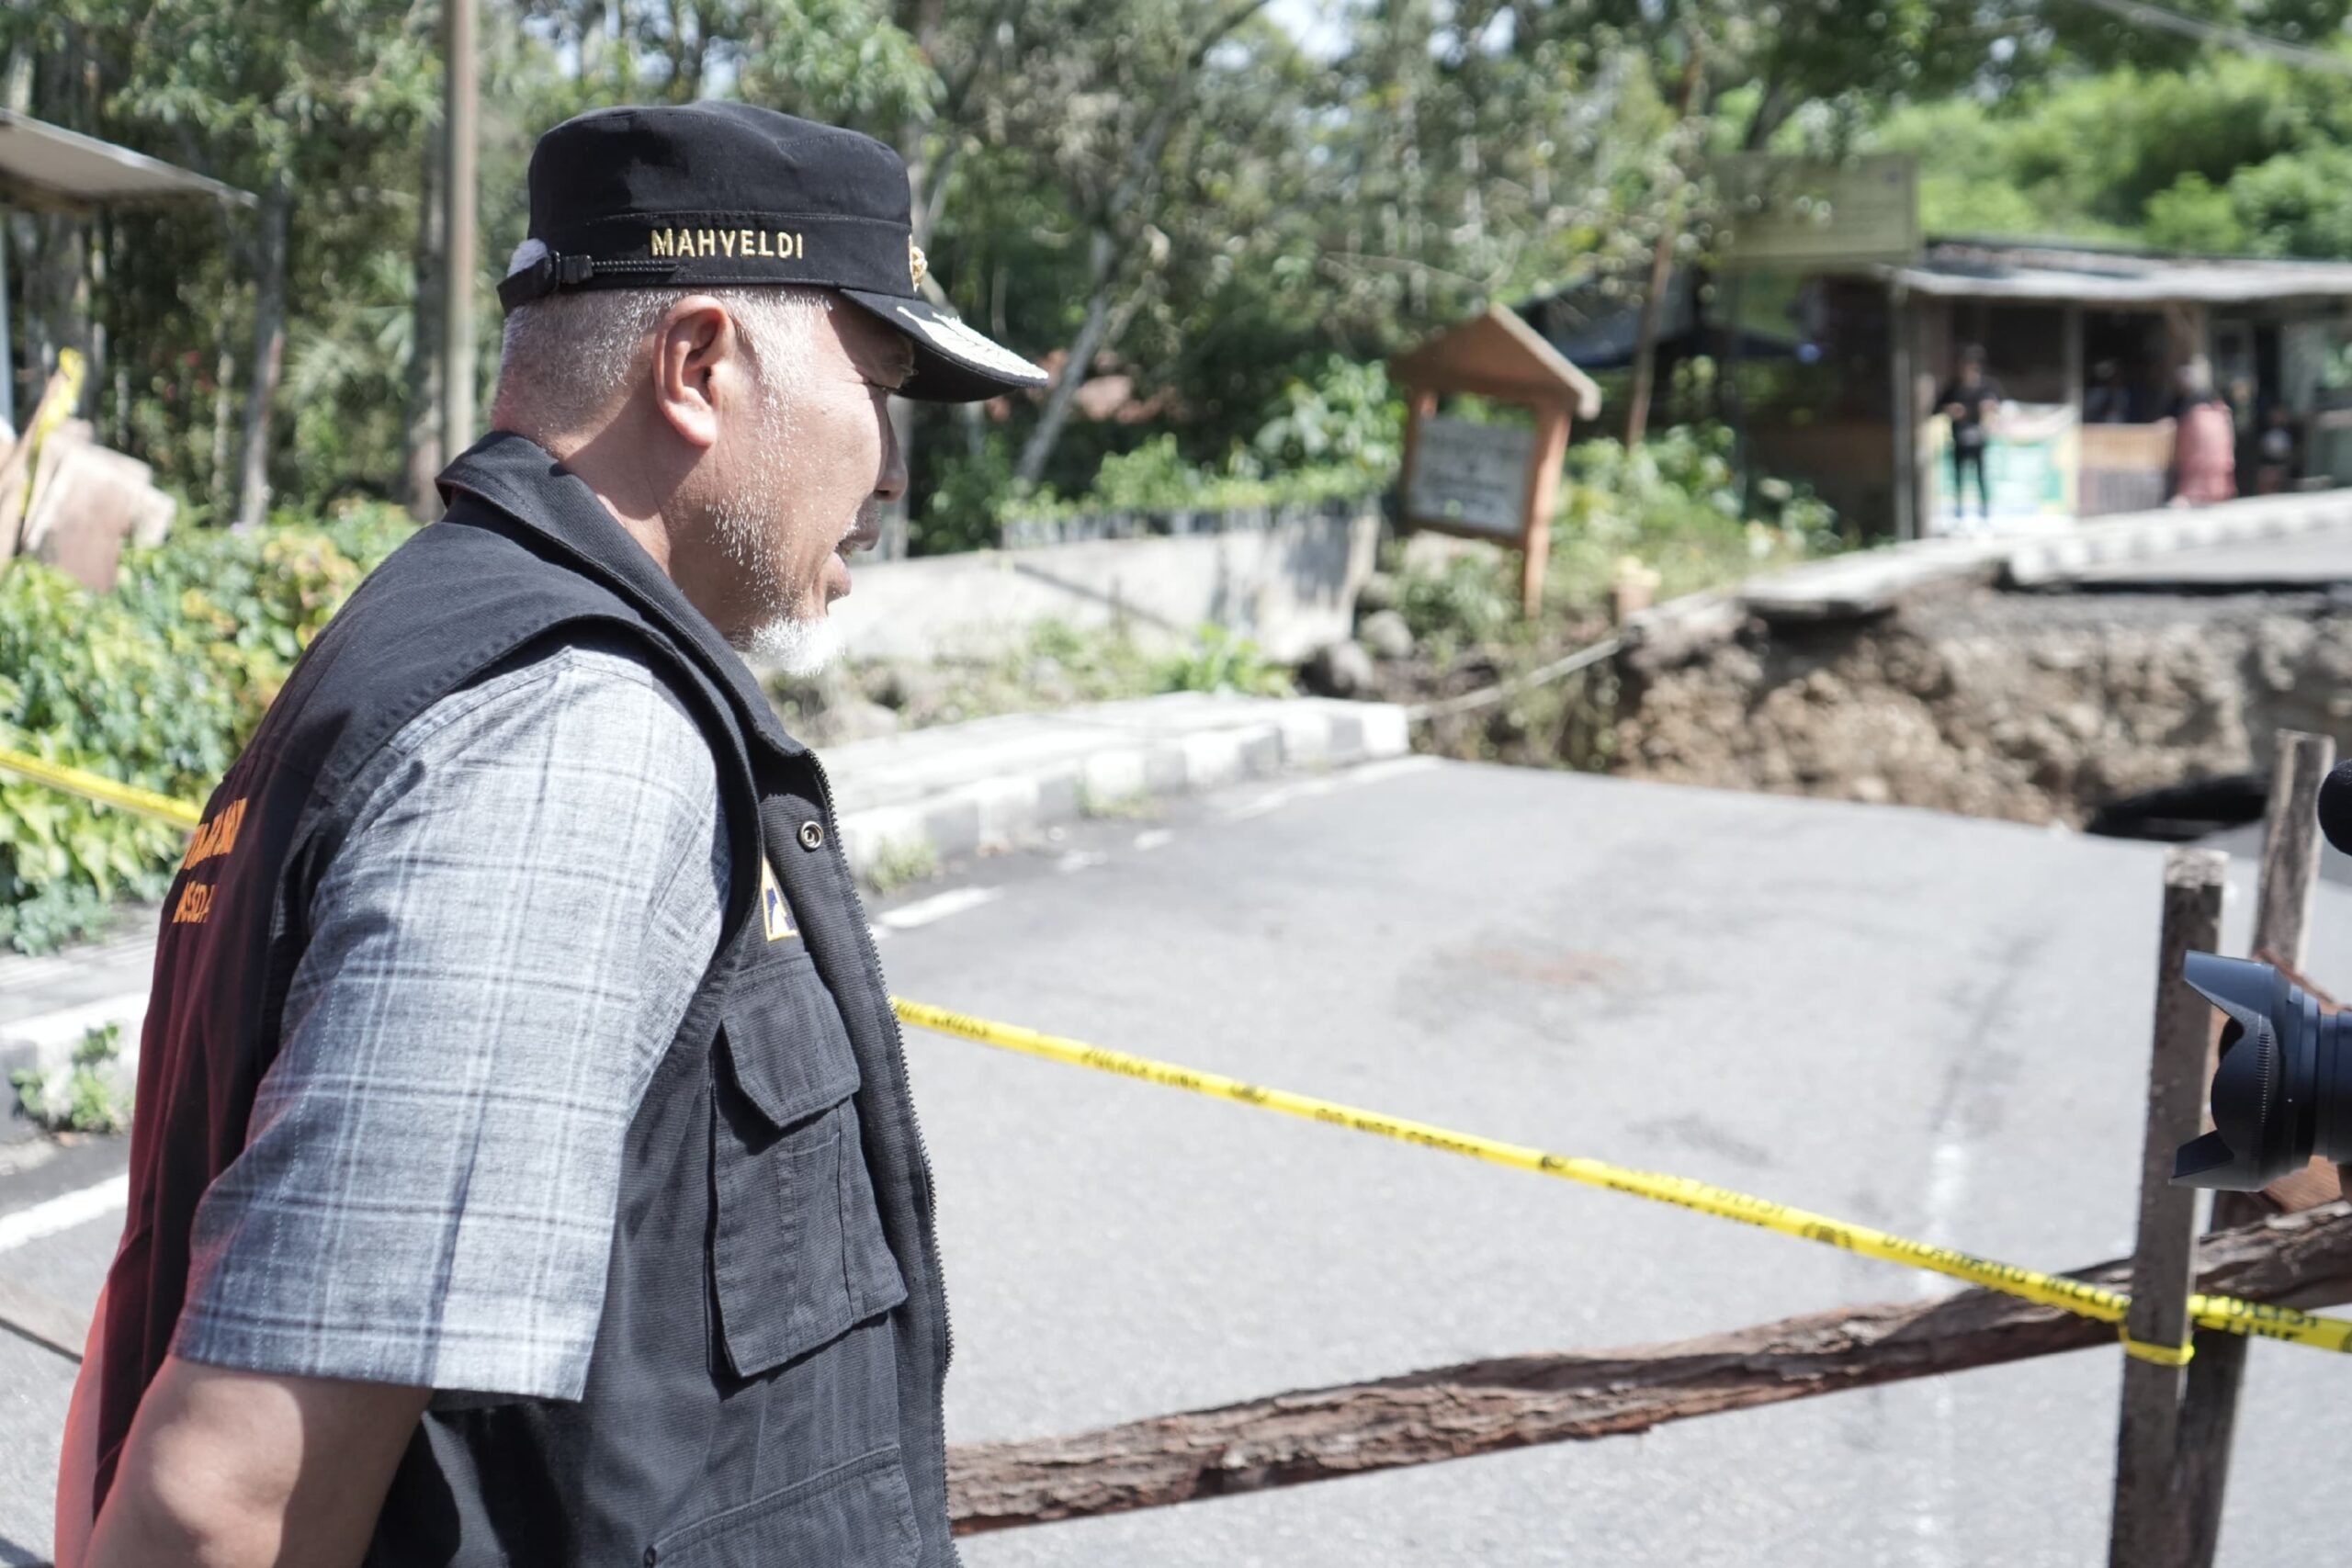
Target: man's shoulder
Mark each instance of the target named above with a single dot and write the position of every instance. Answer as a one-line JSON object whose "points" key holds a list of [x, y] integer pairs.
{"points": [[601, 690]]}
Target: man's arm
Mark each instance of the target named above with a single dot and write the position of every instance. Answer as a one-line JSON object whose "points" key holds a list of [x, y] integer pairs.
{"points": [[77, 1463], [226, 1468], [500, 954]]}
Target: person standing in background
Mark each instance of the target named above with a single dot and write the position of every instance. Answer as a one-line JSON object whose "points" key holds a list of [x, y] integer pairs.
{"points": [[1969, 403], [2205, 440]]}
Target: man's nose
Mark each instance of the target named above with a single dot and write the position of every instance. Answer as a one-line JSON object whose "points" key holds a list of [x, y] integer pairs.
{"points": [[893, 482]]}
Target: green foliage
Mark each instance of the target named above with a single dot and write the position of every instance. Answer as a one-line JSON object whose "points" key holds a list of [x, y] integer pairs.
{"points": [[900, 862], [1345, 414], [2220, 154], [1465, 600], [964, 510], [87, 1096], [1155, 477], [1220, 662], [157, 685], [1239, 223], [2192, 214], [1673, 505]]}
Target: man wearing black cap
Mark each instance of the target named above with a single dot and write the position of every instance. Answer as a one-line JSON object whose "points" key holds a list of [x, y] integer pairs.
{"points": [[526, 1171]]}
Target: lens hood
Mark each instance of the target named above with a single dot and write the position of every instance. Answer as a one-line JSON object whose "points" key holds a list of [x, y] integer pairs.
{"points": [[2282, 1091]]}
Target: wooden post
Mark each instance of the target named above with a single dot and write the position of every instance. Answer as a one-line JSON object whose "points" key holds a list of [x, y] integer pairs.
{"points": [[1905, 413], [1420, 404], [2200, 1470], [1543, 491], [2161, 1259]]}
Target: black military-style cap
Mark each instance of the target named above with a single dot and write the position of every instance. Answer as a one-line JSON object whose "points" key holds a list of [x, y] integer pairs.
{"points": [[727, 195]]}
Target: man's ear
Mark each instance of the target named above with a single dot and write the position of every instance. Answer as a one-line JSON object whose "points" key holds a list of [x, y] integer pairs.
{"points": [[698, 363]]}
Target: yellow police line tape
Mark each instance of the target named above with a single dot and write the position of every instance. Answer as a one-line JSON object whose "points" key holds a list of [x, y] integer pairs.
{"points": [[104, 791], [2225, 1313]]}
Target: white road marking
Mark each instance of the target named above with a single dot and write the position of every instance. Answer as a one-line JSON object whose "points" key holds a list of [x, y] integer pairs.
{"points": [[1152, 838], [1275, 798], [1080, 859], [1935, 1503], [939, 905], [63, 1211], [1387, 768]]}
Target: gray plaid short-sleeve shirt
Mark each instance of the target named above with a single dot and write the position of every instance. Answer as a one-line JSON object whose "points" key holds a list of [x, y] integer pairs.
{"points": [[500, 954]]}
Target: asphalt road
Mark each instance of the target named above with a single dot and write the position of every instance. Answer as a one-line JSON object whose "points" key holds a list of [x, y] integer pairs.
{"points": [[1928, 1023]]}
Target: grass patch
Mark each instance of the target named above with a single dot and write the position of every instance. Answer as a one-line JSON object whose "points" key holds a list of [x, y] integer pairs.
{"points": [[900, 862], [87, 1095], [1127, 807]]}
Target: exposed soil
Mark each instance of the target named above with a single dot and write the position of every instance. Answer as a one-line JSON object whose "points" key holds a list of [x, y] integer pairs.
{"points": [[2031, 707]]}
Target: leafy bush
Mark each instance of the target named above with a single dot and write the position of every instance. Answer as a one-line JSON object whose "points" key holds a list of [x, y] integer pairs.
{"points": [[1155, 477], [968, 497], [1348, 415], [87, 1095], [1220, 662], [1674, 505], [1469, 599], [157, 685]]}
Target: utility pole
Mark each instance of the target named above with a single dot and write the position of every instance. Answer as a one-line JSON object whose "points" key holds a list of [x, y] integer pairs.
{"points": [[457, 229]]}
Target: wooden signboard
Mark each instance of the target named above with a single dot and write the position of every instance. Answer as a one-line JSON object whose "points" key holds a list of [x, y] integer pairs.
{"points": [[1473, 476], [1491, 481]]}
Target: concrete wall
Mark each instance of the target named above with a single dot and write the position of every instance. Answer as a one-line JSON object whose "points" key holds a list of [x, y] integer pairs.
{"points": [[1291, 586]]}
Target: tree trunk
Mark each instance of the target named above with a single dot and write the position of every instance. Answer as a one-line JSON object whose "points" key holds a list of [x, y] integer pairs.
{"points": [[224, 361], [2303, 1260], [1637, 402], [269, 355], [1104, 257], [421, 435]]}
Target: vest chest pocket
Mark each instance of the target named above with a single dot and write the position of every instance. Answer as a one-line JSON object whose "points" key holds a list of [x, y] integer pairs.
{"points": [[798, 1253]]}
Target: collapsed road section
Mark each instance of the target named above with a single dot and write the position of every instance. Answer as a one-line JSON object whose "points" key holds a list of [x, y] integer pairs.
{"points": [[2024, 681]]}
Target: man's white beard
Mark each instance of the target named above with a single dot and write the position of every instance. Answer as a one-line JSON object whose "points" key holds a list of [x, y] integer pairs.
{"points": [[799, 648]]}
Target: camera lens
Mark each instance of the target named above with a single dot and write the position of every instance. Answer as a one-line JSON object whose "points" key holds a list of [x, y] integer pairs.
{"points": [[2283, 1090]]}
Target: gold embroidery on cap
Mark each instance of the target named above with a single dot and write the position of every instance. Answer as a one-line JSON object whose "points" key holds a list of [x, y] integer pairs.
{"points": [[774, 242], [916, 265]]}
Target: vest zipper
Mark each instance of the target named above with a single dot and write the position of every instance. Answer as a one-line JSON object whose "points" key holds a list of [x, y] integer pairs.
{"points": [[930, 1215]]}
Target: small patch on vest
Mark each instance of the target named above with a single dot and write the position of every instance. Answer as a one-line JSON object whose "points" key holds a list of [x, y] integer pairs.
{"points": [[775, 913]]}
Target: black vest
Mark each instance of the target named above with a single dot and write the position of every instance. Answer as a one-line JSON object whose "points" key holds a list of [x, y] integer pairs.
{"points": [[766, 1383]]}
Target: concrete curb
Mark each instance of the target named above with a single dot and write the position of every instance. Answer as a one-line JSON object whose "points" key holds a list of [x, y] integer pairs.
{"points": [[994, 784]]}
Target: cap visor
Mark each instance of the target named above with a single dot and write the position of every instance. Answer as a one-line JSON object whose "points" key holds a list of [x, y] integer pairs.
{"points": [[952, 362]]}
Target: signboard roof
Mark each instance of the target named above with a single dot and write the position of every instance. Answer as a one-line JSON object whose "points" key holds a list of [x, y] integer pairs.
{"points": [[1498, 355]]}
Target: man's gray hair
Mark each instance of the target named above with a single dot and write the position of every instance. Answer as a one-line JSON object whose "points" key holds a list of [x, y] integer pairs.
{"points": [[567, 357]]}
